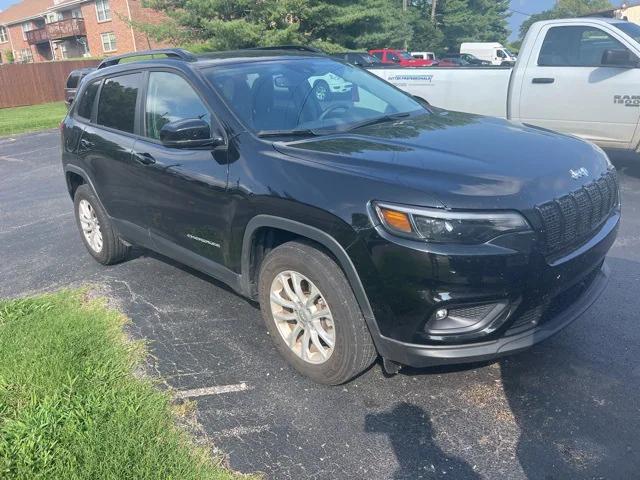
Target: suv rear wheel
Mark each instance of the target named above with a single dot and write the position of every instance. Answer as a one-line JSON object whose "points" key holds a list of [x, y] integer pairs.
{"points": [[312, 314], [96, 230]]}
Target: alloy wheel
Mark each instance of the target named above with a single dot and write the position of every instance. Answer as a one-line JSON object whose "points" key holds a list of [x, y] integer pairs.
{"points": [[90, 225], [302, 317]]}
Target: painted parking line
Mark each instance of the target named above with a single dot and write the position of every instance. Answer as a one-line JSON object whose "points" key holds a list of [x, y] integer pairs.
{"points": [[217, 390]]}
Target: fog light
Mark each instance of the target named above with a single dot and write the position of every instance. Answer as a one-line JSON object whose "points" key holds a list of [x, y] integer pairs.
{"points": [[461, 322], [442, 313]]}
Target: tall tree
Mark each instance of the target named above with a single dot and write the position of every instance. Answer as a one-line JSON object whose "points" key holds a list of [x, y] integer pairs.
{"points": [[329, 24], [565, 9], [472, 20]]}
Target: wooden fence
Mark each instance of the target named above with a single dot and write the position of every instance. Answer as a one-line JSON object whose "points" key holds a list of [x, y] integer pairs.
{"points": [[34, 83]]}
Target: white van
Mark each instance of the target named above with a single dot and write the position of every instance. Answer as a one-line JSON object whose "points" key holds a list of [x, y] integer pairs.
{"points": [[493, 52], [424, 55]]}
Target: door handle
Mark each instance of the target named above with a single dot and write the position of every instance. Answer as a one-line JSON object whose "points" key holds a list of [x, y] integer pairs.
{"points": [[86, 144], [543, 80], [144, 158]]}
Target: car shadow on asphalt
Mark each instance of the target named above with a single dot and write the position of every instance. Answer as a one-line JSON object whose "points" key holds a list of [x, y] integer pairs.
{"points": [[411, 436], [574, 399]]}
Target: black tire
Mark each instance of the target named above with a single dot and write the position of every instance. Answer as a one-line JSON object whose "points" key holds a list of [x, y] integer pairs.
{"points": [[113, 249], [353, 351], [321, 90]]}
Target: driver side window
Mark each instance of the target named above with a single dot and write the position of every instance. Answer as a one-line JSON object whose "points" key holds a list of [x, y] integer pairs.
{"points": [[171, 98], [576, 46]]}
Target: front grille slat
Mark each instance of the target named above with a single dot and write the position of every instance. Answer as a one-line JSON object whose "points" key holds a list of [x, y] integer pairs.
{"points": [[571, 219]]}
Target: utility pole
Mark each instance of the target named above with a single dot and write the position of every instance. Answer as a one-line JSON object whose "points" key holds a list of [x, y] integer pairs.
{"points": [[434, 4], [404, 10]]}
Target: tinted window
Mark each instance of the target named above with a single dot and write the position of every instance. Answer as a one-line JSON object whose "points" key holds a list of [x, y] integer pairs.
{"points": [[378, 55], [306, 94], [576, 47], [86, 102], [72, 81], [170, 98], [117, 104], [631, 29]]}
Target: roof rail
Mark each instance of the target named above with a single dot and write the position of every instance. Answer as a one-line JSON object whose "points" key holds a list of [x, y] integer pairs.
{"points": [[169, 52], [300, 48]]}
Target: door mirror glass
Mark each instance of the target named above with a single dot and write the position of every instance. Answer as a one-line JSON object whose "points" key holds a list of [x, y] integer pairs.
{"points": [[186, 133], [619, 58]]}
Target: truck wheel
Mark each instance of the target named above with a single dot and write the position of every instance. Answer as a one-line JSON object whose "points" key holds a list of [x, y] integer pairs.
{"points": [[312, 315], [96, 230], [321, 90]]}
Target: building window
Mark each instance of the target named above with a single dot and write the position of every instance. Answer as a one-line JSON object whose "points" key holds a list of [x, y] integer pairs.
{"points": [[3, 35], [26, 26], [76, 13], [108, 42], [103, 10], [25, 55]]}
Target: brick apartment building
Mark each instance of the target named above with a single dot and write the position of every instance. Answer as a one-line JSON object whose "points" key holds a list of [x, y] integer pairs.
{"points": [[43, 30]]}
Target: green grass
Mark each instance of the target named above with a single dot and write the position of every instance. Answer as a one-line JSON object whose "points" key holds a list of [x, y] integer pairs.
{"points": [[29, 119], [70, 405]]}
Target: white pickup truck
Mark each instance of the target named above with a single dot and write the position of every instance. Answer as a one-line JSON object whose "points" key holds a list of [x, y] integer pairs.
{"points": [[579, 76]]}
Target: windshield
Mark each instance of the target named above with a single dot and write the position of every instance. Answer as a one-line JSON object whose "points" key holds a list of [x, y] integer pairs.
{"points": [[508, 52], [306, 94], [631, 29]]}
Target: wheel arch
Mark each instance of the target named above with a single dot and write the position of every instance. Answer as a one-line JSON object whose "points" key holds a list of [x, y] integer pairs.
{"points": [[303, 231], [76, 176]]}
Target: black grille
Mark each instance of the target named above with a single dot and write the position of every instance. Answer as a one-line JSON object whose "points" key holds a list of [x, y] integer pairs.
{"points": [[571, 219]]}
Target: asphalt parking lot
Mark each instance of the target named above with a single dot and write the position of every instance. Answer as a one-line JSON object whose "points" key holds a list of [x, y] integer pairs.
{"points": [[568, 408]]}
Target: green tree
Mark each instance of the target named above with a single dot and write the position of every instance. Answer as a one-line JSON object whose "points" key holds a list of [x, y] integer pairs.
{"points": [[331, 25], [459, 21], [565, 9]]}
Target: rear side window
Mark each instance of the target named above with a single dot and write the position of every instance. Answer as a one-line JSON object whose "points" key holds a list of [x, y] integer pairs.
{"points": [[117, 103], [170, 98], [85, 105], [576, 46], [72, 81]]}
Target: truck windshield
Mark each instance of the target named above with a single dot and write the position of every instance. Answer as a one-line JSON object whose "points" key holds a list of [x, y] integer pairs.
{"points": [[307, 94], [631, 29]]}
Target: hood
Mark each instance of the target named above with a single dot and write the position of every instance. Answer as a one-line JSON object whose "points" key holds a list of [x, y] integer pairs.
{"points": [[461, 160]]}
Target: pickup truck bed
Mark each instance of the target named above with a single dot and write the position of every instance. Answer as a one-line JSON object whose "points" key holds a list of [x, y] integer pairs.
{"points": [[443, 87]]}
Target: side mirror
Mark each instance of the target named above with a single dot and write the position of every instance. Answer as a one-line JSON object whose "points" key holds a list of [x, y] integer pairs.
{"points": [[619, 58], [421, 101], [188, 133]]}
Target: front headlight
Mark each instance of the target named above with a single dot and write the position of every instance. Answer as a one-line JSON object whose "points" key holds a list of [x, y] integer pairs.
{"points": [[442, 226]]}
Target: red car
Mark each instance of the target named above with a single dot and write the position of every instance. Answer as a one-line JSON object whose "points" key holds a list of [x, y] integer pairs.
{"points": [[399, 57]]}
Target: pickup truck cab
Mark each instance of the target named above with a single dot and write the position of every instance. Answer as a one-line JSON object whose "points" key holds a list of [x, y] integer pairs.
{"points": [[578, 76], [399, 57]]}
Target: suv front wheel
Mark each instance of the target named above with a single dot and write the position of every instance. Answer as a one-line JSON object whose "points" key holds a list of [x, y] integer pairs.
{"points": [[312, 314]]}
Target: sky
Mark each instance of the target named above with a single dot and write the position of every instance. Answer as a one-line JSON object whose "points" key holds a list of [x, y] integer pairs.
{"points": [[518, 9], [526, 6]]}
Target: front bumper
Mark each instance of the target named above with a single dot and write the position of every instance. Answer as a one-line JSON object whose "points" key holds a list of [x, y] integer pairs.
{"points": [[407, 284], [422, 355]]}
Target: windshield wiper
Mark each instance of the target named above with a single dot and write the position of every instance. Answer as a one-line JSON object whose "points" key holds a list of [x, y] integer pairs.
{"points": [[373, 121], [303, 132]]}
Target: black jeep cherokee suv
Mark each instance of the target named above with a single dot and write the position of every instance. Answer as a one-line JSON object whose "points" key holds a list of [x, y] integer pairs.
{"points": [[364, 222]]}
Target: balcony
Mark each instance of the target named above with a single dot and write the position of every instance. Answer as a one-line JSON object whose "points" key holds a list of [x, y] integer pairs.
{"points": [[71, 27]]}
